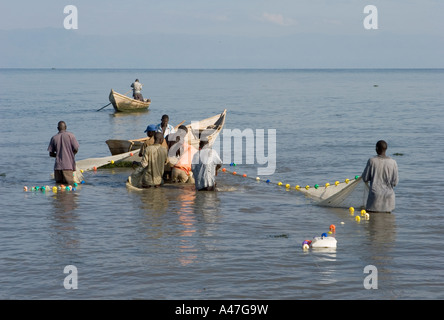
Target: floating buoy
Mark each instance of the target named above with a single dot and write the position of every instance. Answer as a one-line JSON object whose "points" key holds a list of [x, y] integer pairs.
{"points": [[257, 178], [351, 210], [54, 189], [234, 172], [279, 183], [358, 218], [297, 187], [112, 161], [307, 187], [306, 244], [363, 212], [244, 175], [324, 242], [25, 188], [367, 216], [327, 185], [332, 228], [347, 180], [316, 186], [223, 170], [268, 181], [287, 186], [336, 183]]}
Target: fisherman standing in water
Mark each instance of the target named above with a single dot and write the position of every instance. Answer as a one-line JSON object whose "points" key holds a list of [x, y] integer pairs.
{"points": [[205, 164], [63, 146], [382, 174]]}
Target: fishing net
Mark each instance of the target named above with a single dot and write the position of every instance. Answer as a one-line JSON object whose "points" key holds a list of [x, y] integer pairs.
{"points": [[352, 193], [91, 163]]}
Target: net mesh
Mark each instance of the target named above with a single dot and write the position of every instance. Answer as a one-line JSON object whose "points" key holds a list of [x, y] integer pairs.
{"points": [[91, 163], [341, 195]]}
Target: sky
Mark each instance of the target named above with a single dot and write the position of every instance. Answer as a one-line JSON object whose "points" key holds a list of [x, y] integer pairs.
{"points": [[236, 23]]}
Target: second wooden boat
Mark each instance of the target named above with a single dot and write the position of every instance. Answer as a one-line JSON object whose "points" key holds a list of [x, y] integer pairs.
{"points": [[213, 125], [123, 103]]}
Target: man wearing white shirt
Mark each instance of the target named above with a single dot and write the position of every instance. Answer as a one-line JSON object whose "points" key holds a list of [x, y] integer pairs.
{"points": [[164, 127], [205, 164]]}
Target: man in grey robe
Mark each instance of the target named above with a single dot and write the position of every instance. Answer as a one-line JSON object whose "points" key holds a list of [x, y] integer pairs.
{"points": [[63, 146], [381, 173]]}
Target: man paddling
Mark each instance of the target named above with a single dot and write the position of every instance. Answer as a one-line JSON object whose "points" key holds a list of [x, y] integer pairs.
{"points": [[63, 146], [382, 174], [137, 88]]}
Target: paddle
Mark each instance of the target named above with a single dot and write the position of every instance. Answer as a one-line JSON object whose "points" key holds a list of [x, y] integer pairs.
{"points": [[104, 107], [110, 102]]}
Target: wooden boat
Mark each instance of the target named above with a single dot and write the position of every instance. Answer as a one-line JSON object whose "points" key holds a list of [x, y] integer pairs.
{"points": [[123, 103], [214, 124]]}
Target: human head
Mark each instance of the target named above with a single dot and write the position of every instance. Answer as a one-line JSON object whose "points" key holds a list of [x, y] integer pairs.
{"points": [[203, 139], [381, 146], [165, 119], [150, 130], [61, 125], [182, 130], [137, 80], [158, 138]]}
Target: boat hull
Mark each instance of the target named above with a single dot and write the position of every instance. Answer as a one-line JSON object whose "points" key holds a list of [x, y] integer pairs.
{"points": [[123, 103], [215, 124]]}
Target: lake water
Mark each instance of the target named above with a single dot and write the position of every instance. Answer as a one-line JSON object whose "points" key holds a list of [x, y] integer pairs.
{"points": [[244, 241]]}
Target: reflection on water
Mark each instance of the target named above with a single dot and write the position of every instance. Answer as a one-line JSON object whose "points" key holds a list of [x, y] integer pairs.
{"points": [[382, 238], [64, 220], [129, 113], [187, 222], [179, 213]]}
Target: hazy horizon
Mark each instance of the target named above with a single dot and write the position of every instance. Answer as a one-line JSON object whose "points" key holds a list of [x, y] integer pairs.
{"points": [[281, 34]]}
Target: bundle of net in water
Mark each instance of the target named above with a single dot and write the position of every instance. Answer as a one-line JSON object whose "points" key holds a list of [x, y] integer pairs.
{"points": [[352, 193]]}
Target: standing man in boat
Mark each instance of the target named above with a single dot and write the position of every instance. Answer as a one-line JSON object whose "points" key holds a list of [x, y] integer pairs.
{"points": [[382, 174], [205, 164], [153, 161], [63, 146], [137, 88], [164, 127]]}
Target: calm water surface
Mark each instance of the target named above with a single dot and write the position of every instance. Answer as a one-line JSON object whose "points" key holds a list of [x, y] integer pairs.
{"points": [[243, 242]]}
